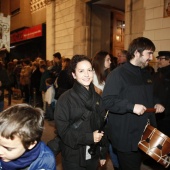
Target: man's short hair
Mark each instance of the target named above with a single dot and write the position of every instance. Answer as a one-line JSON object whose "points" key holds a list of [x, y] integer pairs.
{"points": [[24, 121], [140, 44], [58, 55], [43, 66]]}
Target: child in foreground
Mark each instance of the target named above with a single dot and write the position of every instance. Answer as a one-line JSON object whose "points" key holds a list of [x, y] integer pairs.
{"points": [[21, 128]]}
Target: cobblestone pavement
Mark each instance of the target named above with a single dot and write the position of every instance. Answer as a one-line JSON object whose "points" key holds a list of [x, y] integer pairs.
{"points": [[49, 134]]}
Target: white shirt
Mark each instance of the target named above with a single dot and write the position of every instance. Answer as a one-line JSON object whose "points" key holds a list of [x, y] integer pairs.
{"points": [[49, 95], [96, 82]]}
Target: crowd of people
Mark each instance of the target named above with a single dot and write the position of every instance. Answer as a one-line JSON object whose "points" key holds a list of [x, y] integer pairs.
{"points": [[77, 94]]}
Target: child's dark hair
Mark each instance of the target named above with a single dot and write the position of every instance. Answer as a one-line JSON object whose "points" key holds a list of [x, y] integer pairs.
{"points": [[24, 121]]}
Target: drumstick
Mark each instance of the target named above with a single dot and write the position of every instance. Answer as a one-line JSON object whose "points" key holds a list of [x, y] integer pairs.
{"points": [[150, 110]]}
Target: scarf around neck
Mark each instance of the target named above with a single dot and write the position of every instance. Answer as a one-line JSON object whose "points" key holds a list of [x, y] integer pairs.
{"points": [[89, 99], [24, 161], [87, 96]]}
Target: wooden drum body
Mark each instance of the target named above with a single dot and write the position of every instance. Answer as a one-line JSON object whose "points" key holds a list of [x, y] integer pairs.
{"points": [[156, 145]]}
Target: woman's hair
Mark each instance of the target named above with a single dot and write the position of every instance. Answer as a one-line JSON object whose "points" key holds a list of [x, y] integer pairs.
{"points": [[67, 61], [75, 60], [24, 121], [140, 44], [98, 65]]}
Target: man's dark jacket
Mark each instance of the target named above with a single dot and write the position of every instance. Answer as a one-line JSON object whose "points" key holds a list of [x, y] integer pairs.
{"points": [[126, 86], [162, 91]]}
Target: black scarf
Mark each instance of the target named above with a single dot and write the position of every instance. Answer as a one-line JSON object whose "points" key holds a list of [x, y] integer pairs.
{"points": [[89, 99]]}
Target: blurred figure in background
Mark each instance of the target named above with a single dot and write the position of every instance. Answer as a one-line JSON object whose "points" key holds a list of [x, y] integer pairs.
{"points": [[25, 76], [162, 90], [113, 64], [35, 84], [64, 80], [44, 75], [4, 83], [122, 57], [12, 80], [49, 99], [101, 62], [101, 65], [57, 66]]}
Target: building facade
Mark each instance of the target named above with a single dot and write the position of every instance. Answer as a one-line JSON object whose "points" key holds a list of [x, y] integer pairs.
{"points": [[87, 26]]}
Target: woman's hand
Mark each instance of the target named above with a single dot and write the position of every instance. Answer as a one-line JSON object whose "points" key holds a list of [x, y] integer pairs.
{"points": [[97, 136], [102, 162]]}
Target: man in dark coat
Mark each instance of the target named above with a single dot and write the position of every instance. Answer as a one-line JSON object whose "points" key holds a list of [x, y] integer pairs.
{"points": [[127, 95], [55, 70], [35, 84], [162, 90], [4, 83]]}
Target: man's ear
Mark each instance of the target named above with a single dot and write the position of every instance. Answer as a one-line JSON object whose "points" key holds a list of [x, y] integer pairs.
{"points": [[32, 145], [136, 53]]}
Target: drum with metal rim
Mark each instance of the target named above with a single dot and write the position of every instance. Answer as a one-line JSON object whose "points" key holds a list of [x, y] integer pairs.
{"points": [[155, 144]]}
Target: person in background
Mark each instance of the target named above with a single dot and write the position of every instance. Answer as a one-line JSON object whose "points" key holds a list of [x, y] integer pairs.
{"points": [[4, 84], [17, 71], [64, 80], [11, 76], [78, 117], [113, 64], [21, 128], [25, 76], [57, 66], [162, 90], [127, 94], [101, 62], [168, 9], [44, 75], [35, 84], [49, 99], [122, 57]]}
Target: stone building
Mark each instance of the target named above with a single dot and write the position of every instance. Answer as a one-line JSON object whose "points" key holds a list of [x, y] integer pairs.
{"points": [[86, 26]]}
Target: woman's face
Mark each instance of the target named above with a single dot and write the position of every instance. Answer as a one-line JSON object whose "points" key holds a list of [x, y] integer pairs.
{"points": [[83, 73], [107, 62]]}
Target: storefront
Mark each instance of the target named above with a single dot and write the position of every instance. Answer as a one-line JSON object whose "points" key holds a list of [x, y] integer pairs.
{"points": [[28, 43]]}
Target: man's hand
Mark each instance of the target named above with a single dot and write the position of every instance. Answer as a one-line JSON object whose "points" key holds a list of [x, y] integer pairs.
{"points": [[159, 108], [139, 109]]}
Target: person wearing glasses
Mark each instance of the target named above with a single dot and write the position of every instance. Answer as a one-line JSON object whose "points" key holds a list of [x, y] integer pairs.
{"points": [[122, 57], [162, 90]]}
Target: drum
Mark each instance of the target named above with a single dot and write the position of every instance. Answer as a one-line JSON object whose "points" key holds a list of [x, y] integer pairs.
{"points": [[155, 144]]}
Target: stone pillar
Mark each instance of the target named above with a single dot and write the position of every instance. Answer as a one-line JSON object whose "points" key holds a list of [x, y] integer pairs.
{"points": [[50, 30], [134, 20], [71, 27], [82, 28]]}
